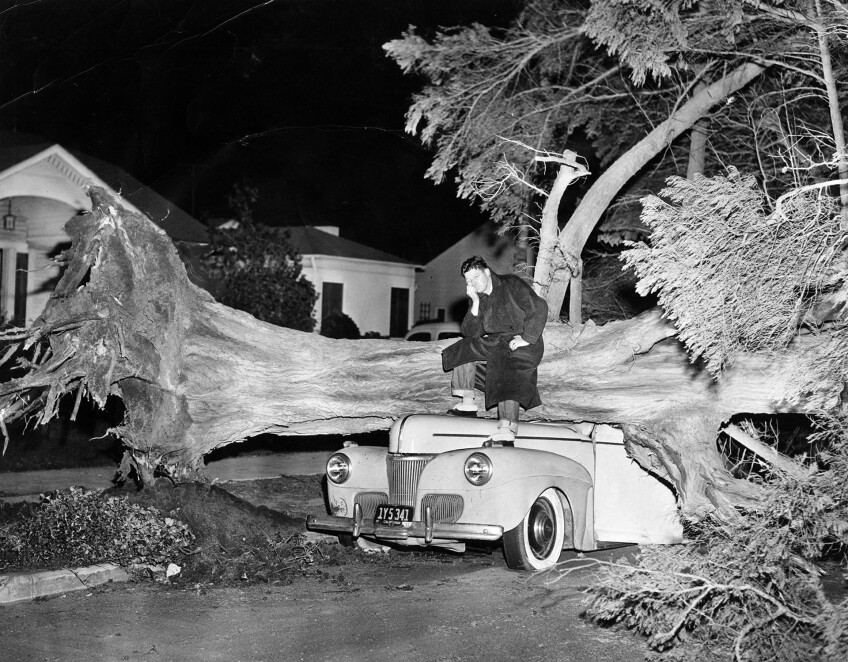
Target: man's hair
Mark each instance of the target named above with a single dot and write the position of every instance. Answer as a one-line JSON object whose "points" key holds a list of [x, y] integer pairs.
{"points": [[474, 262]]}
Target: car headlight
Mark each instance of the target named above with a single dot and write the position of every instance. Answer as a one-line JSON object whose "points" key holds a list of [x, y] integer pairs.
{"points": [[338, 468], [478, 469]]}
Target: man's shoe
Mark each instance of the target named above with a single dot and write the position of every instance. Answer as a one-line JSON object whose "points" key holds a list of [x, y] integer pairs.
{"points": [[462, 412], [490, 443], [505, 435]]}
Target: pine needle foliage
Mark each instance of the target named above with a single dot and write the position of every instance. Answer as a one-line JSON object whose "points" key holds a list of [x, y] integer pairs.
{"points": [[537, 83], [612, 71], [740, 273], [734, 276], [743, 590], [642, 33], [481, 83]]}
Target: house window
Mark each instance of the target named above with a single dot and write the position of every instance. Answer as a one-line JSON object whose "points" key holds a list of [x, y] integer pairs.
{"points": [[423, 312], [440, 314], [331, 299], [21, 281], [399, 314]]}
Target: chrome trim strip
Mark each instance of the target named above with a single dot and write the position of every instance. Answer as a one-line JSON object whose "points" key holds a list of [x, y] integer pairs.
{"points": [[369, 502], [520, 437], [357, 520], [491, 532], [447, 508], [403, 472]]}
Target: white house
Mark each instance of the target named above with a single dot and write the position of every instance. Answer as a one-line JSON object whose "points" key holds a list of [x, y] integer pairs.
{"points": [[41, 188], [440, 289], [373, 288]]}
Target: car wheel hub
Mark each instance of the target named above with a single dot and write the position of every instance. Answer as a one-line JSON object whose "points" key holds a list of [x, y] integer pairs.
{"points": [[542, 529]]}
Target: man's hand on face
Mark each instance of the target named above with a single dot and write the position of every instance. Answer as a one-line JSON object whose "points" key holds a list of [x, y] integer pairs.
{"points": [[516, 342], [472, 294]]}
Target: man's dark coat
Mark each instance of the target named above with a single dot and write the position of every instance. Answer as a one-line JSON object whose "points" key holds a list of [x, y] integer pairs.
{"points": [[513, 308]]}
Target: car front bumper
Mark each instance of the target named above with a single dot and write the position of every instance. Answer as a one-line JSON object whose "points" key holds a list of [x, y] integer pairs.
{"points": [[428, 530]]}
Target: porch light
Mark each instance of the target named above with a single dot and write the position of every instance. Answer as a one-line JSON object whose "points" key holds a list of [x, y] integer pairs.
{"points": [[9, 218]]}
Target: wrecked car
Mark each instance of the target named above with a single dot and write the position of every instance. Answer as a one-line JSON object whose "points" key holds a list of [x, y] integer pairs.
{"points": [[562, 486]]}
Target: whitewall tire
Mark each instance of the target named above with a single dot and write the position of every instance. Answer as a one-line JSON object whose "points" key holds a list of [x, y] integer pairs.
{"points": [[536, 543]]}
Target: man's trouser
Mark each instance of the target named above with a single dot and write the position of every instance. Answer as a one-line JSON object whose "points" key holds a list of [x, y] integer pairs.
{"points": [[468, 376]]}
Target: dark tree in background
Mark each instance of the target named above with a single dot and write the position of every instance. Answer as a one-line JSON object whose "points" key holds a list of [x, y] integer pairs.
{"points": [[257, 270]]}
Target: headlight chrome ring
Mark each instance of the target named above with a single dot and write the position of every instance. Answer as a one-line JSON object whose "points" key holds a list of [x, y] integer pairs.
{"points": [[478, 469], [338, 468]]}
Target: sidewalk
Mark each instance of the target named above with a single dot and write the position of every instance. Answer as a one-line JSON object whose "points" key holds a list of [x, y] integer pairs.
{"points": [[27, 485]]}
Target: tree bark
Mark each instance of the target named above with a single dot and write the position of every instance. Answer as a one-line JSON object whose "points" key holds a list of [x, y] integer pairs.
{"points": [[697, 149], [551, 258], [195, 375], [574, 235], [837, 126]]}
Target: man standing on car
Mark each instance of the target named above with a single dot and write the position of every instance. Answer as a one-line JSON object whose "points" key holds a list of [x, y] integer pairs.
{"points": [[502, 343]]}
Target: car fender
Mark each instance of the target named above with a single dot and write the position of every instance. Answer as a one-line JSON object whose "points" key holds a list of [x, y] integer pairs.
{"points": [[519, 476], [367, 474]]}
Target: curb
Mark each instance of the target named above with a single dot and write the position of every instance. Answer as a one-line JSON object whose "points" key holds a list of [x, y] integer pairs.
{"points": [[28, 586], [17, 498]]}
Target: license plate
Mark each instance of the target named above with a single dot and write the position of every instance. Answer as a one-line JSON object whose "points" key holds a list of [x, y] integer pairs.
{"points": [[393, 515]]}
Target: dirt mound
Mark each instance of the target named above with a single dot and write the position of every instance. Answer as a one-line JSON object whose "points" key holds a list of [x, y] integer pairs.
{"points": [[215, 516], [235, 540]]}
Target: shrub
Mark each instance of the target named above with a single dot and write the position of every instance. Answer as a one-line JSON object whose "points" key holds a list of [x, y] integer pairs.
{"points": [[261, 275], [340, 326], [255, 268], [80, 527]]}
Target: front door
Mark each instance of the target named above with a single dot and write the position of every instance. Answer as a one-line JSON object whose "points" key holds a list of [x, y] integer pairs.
{"points": [[399, 315], [331, 299], [21, 283]]}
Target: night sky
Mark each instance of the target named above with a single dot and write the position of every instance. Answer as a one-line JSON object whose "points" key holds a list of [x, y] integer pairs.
{"points": [[295, 97]]}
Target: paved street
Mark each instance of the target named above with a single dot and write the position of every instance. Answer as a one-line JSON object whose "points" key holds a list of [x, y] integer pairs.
{"points": [[410, 608], [17, 484]]}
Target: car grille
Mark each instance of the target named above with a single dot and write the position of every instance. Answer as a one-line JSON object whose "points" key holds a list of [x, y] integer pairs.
{"points": [[446, 508], [369, 501], [403, 472]]}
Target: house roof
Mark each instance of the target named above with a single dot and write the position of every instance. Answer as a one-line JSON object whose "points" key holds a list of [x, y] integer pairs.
{"points": [[179, 225], [486, 240], [309, 240]]}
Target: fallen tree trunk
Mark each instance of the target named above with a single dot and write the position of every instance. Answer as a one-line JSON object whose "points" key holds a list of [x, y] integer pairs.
{"points": [[195, 375]]}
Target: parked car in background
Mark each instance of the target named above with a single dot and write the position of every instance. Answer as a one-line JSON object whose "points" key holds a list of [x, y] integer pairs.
{"points": [[563, 486], [433, 331]]}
